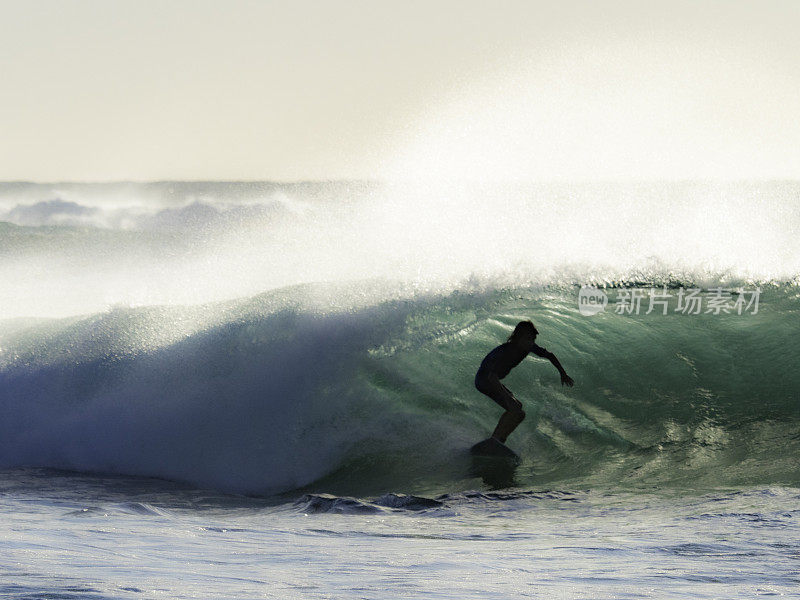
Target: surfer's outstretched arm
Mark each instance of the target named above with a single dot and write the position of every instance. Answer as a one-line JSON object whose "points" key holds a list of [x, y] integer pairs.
{"points": [[565, 379]]}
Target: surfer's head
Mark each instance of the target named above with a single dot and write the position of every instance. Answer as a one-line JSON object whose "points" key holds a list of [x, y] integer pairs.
{"points": [[524, 331]]}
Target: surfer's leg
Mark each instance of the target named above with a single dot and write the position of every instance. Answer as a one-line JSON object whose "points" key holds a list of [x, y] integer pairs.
{"points": [[490, 385], [513, 415]]}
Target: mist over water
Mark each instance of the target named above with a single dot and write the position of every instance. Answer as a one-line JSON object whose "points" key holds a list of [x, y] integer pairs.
{"points": [[77, 249]]}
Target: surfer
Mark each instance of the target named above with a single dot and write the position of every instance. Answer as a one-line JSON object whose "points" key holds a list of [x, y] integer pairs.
{"points": [[497, 365]]}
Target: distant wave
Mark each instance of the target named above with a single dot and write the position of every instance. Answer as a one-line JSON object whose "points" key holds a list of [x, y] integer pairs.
{"points": [[195, 216], [51, 212]]}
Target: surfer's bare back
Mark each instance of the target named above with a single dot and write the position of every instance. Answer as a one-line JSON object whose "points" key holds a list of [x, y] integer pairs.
{"points": [[497, 365]]}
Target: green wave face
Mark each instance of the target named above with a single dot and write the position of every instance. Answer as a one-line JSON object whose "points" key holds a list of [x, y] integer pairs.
{"points": [[285, 392], [677, 399]]}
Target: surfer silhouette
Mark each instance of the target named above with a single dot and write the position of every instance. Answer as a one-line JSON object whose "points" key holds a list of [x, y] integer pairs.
{"points": [[499, 362]]}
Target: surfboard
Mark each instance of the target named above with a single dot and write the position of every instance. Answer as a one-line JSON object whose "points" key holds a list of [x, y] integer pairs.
{"points": [[494, 448]]}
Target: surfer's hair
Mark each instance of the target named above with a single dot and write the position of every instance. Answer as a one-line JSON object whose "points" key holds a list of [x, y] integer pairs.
{"points": [[522, 328]]}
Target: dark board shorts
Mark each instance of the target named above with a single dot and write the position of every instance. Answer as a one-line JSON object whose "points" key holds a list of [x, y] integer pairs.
{"points": [[489, 384]]}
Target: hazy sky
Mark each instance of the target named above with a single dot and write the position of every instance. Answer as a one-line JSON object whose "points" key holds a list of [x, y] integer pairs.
{"points": [[180, 89]]}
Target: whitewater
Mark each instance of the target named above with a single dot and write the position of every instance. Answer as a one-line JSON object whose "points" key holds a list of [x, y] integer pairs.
{"points": [[249, 390]]}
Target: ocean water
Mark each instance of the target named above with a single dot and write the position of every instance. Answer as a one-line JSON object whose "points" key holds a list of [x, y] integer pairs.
{"points": [[256, 390]]}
